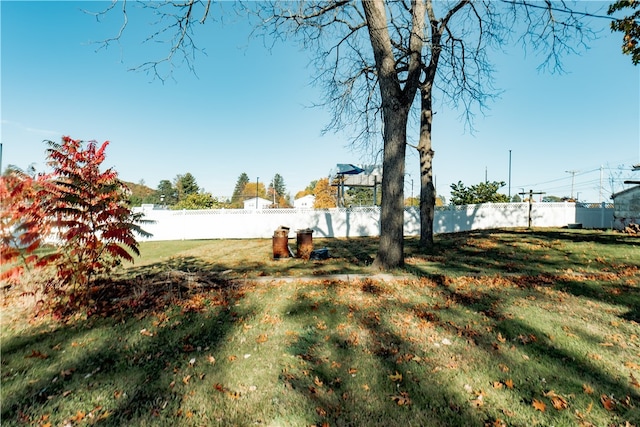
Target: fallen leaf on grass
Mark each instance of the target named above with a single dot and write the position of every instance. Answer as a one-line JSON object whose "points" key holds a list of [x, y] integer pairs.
{"points": [[503, 367], [146, 333], [634, 381], [632, 365], [317, 381], [497, 384], [262, 338], [478, 401], [559, 402], [36, 354], [587, 389], [608, 403], [211, 359], [186, 379], [402, 399], [78, 417], [539, 405], [396, 377], [509, 383]]}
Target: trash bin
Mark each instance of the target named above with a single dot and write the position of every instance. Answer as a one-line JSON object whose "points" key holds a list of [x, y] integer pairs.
{"points": [[280, 243], [304, 241]]}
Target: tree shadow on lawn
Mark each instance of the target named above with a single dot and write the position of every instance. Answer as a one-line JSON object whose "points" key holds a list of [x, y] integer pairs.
{"points": [[117, 373], [431, 376], [334, 377], [521, 251]]}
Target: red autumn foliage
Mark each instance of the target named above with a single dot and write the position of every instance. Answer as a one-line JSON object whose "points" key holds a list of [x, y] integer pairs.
{"points": [[81, 209]]}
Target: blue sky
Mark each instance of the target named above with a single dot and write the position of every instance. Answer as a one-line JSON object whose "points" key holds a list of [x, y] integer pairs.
{"points": [[248, 110]]}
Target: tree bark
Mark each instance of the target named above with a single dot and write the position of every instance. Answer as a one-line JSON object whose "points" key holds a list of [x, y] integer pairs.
{"points": [[396, 102], [426, 153]]}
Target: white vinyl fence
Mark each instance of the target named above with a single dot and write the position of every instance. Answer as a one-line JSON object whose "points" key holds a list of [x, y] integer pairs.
{"points": [[364, 221]]}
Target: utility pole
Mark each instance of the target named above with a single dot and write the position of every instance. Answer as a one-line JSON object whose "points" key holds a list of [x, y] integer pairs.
{"points": [[573, 175], [531, 193], [257, 178], [509, 175], [601, 197]]}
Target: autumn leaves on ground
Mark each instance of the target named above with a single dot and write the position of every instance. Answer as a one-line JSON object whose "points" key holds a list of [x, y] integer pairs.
{"points": [[493, 328]]}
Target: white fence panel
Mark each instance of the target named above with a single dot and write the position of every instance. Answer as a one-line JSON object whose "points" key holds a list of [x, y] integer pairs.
{"points": [[363, 221]]}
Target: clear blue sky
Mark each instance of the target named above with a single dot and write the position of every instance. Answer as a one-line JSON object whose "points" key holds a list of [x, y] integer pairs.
{"points": [[248, 110]]}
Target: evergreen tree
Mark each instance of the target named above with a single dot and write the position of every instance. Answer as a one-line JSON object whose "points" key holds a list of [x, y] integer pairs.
{"points": [[185, 185], [236, 198], [166, 193], [277, 191]]}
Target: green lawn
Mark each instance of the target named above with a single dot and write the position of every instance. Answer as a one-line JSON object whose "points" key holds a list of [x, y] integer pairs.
{"points": [[497, 328]]}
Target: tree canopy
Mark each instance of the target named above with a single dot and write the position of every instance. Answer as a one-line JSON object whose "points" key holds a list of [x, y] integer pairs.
{"points": [[380, 60], [630, 26], [485, 192]]}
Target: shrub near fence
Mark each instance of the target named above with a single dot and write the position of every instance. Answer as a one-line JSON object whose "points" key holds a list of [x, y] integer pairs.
{"points": [[363, 221]]}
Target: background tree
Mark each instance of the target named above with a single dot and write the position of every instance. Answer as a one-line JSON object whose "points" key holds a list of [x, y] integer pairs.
{"points": [[236, 198], [24, 225], [308, 189], [199, 201], [277, 191], [140, 194], [630, 26], [485, 192], [166, 193], [362, 196], [185, 185], [325, 194], [249, 191]]}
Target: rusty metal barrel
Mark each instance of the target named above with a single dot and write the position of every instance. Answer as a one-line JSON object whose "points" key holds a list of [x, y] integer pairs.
{"points": [[280, 243], [304, 242]]}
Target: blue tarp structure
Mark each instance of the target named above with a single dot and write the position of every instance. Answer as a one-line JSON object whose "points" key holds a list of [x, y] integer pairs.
{"points": [[348, 169]]}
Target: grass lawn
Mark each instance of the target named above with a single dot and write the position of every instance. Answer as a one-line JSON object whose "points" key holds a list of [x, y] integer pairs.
{"points": [[491, 328]]}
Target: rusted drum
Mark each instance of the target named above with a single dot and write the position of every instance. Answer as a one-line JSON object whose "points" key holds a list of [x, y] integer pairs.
{"points": [[304, 241], [280, 247], [280, 243]]}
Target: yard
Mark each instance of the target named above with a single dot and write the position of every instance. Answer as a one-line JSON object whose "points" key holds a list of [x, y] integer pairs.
{"points": [[493, 328]]}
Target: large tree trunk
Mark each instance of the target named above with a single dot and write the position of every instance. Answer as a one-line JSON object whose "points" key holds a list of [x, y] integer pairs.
{"points": [[391, 248], [427, 189], [395, 110]]}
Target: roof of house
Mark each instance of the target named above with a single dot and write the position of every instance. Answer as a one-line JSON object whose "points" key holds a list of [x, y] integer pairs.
{"points": [[626, 191]]}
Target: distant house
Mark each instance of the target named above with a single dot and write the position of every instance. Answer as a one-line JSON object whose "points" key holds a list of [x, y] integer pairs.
{"points": [[626, 207], [257, 203], [305, 202]]}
